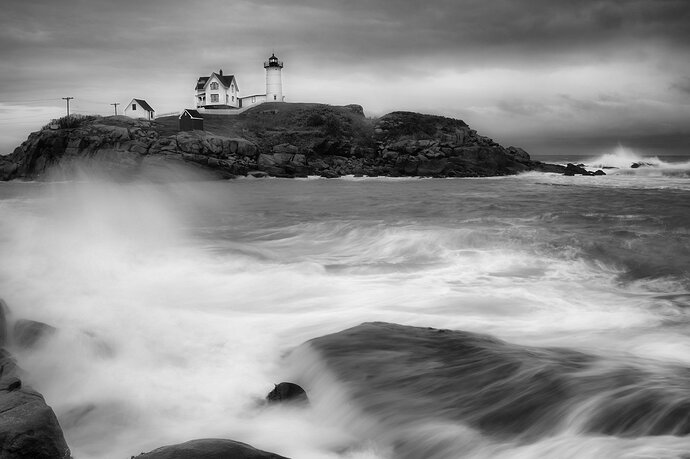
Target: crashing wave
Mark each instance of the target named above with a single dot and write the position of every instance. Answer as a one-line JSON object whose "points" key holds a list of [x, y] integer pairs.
{"points": [[624, 160]]}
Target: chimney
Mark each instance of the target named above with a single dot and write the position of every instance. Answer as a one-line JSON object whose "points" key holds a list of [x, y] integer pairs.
{"points": [[221, 72]]}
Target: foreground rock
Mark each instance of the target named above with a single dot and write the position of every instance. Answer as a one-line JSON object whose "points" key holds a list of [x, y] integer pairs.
{"points": [[209, 448], [406, 376], [276, 139], [28, 426]]}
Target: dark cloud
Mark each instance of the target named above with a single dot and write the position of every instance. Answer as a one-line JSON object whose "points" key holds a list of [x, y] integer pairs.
{"points": [[103, 50]]}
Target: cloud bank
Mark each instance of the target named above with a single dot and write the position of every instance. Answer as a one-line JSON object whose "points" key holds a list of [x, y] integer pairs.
{"points": [[550, 75]]}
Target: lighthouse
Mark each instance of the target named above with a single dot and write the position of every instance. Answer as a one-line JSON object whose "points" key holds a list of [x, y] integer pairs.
{"points": [[274, 83]]}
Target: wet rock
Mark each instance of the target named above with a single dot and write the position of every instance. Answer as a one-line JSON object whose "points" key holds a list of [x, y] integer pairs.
{"points": [[406, 375], [639, 164], [29, 333], [287, 392], [28, 426], [572, 169], [209, 448]]}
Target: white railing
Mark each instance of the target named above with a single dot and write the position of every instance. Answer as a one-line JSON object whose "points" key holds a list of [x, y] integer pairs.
{"points": [[160, 115]]}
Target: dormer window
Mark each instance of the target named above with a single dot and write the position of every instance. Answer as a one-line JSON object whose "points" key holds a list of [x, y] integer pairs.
{"points": [[214, 85]]}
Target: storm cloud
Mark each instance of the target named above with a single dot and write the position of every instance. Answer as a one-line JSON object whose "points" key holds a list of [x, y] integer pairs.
{"points": [[520, 71]]}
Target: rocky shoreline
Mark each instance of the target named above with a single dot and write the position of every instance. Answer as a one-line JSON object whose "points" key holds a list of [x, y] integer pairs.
{"points": [[30, 429], [277, 140], [444, 371]]}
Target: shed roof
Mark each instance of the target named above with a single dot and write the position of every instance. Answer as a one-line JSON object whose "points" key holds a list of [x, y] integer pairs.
{"points": [[192, 114], [143, 104]]}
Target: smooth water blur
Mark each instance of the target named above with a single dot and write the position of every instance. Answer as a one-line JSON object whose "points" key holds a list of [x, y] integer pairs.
{"points": [[177, 303]]}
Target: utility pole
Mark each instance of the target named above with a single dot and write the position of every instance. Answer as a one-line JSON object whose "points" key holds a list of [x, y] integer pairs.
{"points": [[67, 99], [115, 105]]}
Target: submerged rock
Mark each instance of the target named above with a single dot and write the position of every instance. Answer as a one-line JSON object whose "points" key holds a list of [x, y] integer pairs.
{"points": [[287, 392], [209, 448]]}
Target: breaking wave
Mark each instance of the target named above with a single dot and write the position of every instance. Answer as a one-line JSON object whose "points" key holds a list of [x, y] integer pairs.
{"points": [[624, 160]]}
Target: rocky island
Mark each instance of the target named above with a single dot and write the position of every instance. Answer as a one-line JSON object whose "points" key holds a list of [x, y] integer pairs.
{"points": [[272, 139]]}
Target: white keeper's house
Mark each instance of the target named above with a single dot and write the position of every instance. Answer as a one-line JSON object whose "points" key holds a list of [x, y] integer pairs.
{"points": [[221, 92]]}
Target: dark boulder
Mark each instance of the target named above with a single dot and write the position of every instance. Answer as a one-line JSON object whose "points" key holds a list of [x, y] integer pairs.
{"points": [[29, 333], [209, 448], [287, 392], [28, 426]]}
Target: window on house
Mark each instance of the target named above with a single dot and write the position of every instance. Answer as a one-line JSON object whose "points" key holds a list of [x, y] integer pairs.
{"points": [[134, 106], [233, 98], [275, 97], [214, 85], [214, 97]]}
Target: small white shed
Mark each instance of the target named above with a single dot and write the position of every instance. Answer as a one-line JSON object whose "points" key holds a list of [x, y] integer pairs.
{"points": [[139, 108]]}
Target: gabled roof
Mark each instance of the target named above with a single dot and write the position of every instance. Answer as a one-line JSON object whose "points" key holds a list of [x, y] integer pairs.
{"points": [[192, 114], [143, 104], [225, 80], [201, 83]]}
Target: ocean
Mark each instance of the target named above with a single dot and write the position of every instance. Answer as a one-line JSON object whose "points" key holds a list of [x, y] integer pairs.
{"points": [[179, 305]]}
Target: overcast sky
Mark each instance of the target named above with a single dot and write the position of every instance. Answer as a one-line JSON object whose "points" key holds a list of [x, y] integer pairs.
{"points": [[553, 76]]}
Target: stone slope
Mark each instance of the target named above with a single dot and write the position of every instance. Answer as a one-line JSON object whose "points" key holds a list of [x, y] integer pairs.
{"points": [[283, 140]]}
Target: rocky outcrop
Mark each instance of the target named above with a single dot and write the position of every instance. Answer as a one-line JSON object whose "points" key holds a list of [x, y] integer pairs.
{"points": [[123, 147], [28, 426], [209, 448], [281, 140]]}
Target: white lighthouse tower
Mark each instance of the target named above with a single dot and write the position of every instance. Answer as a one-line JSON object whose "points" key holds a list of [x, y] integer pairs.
{"points": [[274, 83]]}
